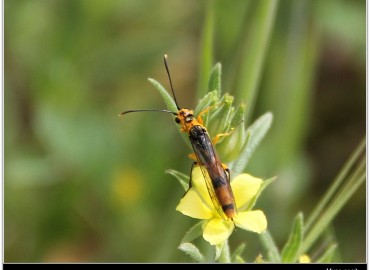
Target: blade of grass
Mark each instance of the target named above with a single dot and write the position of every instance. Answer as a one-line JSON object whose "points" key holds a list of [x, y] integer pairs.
{"points": [[254, 52], [328, 255], [351, 186], [237, 253], [206, 57], [298, 78], [289, 75], [334, 187]]}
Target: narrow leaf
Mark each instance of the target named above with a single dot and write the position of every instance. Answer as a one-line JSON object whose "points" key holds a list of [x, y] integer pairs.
{"points": [[343, 173], [268, 242], [192, 251], [214, 82], [257, 132], [221, 116], [233, 144], [290, 251], [182, 178], [328, 254], [237, 253], [238, 259], [207, 101], [254, 50], [194, 232], [351, 184], [171, 105], [206, 58], [264, 184]]}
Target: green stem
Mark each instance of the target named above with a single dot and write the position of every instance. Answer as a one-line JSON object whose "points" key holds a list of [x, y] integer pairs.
{"points": [[334, 187], [352, 185], [225, 253], [268, 242]]}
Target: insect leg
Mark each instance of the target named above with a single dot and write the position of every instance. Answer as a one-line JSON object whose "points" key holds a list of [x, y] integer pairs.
{"points": [[218, 136], [190, 180], [199, 117], [192, 156]]}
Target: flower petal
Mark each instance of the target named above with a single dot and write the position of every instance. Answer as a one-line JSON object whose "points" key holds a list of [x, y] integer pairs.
{"points": [[254, 221], [216, 231], [304, 259], [199, 183], [245, 187], [192, 205]]}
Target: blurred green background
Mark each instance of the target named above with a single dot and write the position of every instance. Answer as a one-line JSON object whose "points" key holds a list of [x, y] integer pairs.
{"points": [[81, 184]]}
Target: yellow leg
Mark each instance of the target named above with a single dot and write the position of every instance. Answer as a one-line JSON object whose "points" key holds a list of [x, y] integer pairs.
{"points": [[199, 117], [218, 136], [192, 156]]}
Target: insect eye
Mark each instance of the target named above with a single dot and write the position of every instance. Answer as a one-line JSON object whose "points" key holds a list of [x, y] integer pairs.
{"points": [[177, 120]]}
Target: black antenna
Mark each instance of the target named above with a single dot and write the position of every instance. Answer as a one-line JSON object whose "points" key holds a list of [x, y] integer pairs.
{"points": [[169, 77], [130, 111]]}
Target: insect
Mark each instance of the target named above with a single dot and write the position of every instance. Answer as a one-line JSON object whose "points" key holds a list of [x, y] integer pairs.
{"points": [[215, 173]]}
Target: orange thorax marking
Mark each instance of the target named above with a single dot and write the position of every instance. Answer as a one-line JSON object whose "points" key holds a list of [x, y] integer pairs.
{"points": [[187, 120]]}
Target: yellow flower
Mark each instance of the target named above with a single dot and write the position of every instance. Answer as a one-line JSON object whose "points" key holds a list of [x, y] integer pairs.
{"points": [[304, 259], [196, 203]]}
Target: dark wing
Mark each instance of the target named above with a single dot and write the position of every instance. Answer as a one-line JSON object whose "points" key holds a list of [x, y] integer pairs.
{"points": [[209, 164], [211, 193]]}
